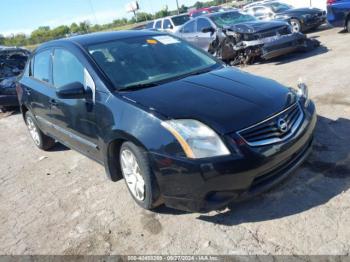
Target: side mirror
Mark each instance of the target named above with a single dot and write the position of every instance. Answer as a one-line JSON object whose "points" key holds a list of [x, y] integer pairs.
{"points": [[208, 30], [73, 90], [170, 27]]}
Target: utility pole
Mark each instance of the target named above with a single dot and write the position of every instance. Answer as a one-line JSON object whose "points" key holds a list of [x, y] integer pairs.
{"points": [[178, 9]]}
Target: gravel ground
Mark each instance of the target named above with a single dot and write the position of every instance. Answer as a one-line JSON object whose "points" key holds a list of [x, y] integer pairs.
{"points": [[60, 202]]}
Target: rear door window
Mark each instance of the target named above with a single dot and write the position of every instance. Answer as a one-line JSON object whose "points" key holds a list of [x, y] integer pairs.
{"points": [[190, 27], [158, 24], [202, 23], [167, 24], [41, 66]]}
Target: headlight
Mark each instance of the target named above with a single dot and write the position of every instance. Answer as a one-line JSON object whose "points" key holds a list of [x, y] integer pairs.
{"points": [[303, 93], [282, 17], [196, 139], [306, 16]]}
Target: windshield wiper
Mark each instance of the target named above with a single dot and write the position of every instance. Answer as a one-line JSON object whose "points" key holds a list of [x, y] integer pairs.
{"points": [[139, 86], [198, 72], [152, 84]]}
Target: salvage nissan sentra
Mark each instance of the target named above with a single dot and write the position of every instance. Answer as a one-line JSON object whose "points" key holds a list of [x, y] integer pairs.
{"points": [[180, 127], [239, 38]]}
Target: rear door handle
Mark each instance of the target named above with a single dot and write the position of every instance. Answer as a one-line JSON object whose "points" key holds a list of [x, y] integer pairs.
{"points": [[53, 102]]}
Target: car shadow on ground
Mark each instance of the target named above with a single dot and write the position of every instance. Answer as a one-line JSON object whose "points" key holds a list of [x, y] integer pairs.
{"points": [[58, 147], [343, 31], [9, 112], [288, 58], [324, 175], [321, 28]]}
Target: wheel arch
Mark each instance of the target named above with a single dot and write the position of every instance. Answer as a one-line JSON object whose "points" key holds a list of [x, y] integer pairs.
{"points": [[112, 150], [24, 110]]}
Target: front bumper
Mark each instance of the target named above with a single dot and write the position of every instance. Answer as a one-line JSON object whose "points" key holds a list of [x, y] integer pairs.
{"points": [[275, 46], [9, 100], [210, 184], [283, 45], [313, 22]]}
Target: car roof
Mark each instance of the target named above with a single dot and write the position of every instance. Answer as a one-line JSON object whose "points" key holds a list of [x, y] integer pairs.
{"points": [[100, 37], [172, 16], [220, 13], [259, 3]]}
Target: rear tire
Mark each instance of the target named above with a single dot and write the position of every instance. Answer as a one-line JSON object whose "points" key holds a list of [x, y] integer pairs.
{"points": [[41, 140], [138, 176], [296, 25], [348, 25]]}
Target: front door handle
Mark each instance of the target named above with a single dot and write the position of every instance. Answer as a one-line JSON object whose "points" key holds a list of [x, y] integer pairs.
{"points": [[27, 90]]}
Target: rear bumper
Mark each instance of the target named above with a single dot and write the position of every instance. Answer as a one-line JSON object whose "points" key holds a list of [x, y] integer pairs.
{"points": [[9, 100], [206, 185], [336, 17]]}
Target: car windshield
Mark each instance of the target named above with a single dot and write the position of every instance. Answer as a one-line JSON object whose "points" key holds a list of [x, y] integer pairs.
{"points": [[180, 20], [231, 18], [149, 60], [279, 7]]}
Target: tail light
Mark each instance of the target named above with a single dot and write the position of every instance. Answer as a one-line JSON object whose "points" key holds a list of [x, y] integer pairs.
{"points": [[330, 2]]}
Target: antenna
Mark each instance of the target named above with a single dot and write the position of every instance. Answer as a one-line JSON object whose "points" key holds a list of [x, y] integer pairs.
{"points": [[93, 11]]}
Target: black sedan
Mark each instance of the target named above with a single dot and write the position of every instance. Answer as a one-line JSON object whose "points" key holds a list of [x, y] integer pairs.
{"points": [[175, 123], [301, 19]]}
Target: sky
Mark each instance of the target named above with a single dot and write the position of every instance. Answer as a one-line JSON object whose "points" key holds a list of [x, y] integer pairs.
{"points": [[24, 16]]}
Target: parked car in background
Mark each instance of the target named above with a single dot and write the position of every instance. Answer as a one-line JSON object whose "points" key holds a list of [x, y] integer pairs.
{"points": [[338, 13], [126, 100], [301, 19], [206, 10], [239, 38], [169, 24], [12, 62], [143, 26], [255, 3]]}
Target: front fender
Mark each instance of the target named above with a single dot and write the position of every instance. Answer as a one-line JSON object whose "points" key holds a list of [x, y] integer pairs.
{"points": [[130, 122]]}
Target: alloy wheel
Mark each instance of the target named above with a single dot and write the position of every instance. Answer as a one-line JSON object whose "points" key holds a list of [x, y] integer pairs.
{"points": [[132, 174]]}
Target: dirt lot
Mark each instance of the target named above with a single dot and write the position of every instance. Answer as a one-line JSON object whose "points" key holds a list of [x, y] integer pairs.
{"points": [[60, 202]]}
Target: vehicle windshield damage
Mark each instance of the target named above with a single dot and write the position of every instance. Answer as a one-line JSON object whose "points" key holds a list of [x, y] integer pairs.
{"points": [[149, 60], [231, 18]]}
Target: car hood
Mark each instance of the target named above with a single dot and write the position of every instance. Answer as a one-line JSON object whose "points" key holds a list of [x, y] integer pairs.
{"points": [[227, 99], [301, 11], [256, 26]]}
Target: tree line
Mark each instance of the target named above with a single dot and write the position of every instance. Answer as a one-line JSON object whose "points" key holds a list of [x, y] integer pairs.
{"points": [[45, 33]]}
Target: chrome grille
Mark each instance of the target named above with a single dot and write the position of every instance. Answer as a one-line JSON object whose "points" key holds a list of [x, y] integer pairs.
{"points": [[274, 129]]}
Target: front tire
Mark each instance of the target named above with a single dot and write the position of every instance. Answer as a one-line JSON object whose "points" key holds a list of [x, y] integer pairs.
{"points": [[348, 25], [296, 25], [41, 140], [138, 176]]}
